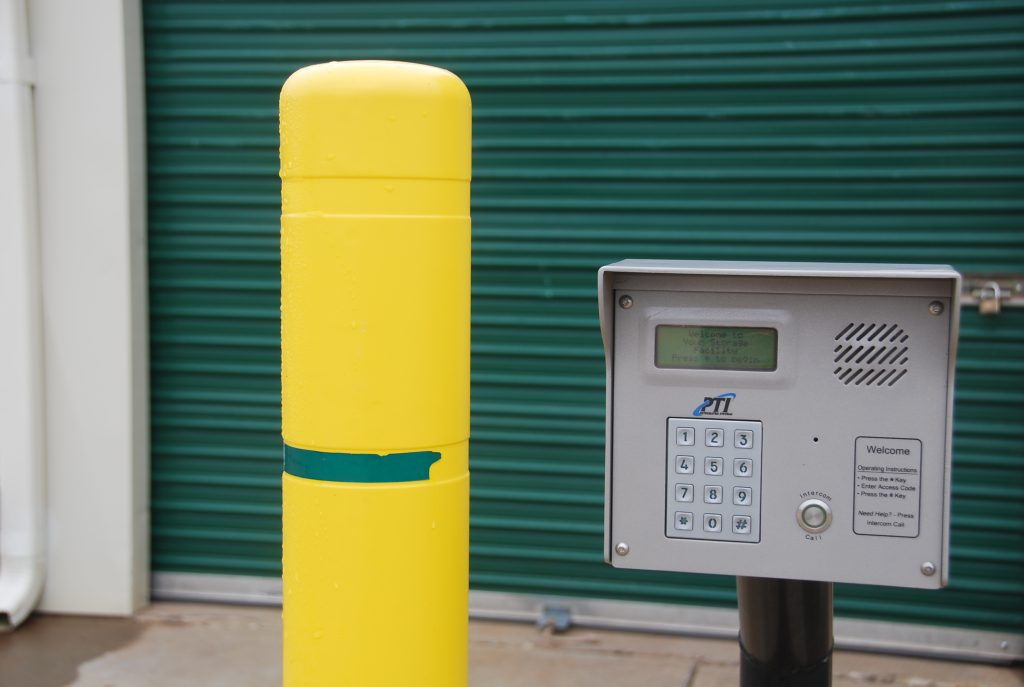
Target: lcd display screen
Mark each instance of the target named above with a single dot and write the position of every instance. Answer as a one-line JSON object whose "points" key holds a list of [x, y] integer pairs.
{"points": [[716, 348]]}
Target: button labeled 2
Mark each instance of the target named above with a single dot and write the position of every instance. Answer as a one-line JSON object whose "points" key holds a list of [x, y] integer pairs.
{"points": [[714, 437]]}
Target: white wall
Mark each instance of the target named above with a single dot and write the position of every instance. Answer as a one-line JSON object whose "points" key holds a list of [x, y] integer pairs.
{"points": [[91, 171]]}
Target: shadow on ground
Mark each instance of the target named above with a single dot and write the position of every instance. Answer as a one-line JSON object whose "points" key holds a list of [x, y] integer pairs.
{"points": [[47, 651]]}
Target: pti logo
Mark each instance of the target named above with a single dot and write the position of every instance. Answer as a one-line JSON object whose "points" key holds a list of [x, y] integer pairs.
{"points": [[715, 405]]}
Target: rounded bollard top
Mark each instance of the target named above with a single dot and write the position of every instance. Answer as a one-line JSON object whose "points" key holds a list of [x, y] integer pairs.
{"points": [[375, 119]]}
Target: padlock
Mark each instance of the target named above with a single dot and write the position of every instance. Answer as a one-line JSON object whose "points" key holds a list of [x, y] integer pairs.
{"points": [[990, 299]]}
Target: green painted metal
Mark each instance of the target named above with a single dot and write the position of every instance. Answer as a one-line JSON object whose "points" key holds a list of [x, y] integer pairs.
{"points": [[789, 129], [413, 466]]}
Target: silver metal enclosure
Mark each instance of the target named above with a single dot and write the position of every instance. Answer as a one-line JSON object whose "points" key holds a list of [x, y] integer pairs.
{"points": [[833, 466]]}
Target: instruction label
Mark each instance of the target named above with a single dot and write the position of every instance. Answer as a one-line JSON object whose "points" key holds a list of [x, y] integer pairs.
{"points": [[887, 486]]}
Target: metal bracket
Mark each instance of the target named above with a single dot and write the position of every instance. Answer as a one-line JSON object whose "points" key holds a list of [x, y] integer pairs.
{"points": [[990, 293], [555, 618]]}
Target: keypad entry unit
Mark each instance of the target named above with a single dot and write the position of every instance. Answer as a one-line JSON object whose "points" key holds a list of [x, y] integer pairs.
{"points": [[714, 480], [780, 420]]}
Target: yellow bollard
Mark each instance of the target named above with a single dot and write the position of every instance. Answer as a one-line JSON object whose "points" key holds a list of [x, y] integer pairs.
{"points": [[375, 264]]}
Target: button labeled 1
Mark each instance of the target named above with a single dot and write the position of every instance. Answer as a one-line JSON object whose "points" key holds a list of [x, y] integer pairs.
{"points": [[684, 436]]}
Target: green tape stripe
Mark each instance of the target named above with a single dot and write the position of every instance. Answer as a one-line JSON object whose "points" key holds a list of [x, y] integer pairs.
{"points": [[359, 467]]}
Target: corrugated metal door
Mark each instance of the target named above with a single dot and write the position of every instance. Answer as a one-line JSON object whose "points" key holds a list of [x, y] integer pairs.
{"points": [[795, 129]]}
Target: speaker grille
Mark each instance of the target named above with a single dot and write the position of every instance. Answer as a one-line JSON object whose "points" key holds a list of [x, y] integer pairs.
{"points": [[871, 354]]}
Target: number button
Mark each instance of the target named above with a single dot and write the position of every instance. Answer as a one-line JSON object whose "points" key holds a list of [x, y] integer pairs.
{"points": [[744, 438], [712, 494], [741, 496], [743, 467], [713, 466], [712, 522], [714, 437], [684, 436], [741, 524], [684, 521], [684, 465], [684, 493]]}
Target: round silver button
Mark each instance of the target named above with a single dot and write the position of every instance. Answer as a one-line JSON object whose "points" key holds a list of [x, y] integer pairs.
{"points": [[814, 515]]}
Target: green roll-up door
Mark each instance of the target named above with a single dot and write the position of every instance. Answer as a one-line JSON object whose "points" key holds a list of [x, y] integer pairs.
{"points": [[783, 130]]}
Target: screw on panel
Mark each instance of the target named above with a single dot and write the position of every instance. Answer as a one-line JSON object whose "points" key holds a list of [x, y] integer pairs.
{"points": [[1004, 645], [622, 548], [626, 302], [928, 568], [936, 308]]}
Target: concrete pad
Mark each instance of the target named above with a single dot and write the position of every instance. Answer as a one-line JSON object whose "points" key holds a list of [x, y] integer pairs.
{"points": [[237, 646], [531, 667], [852, 669], [212, 646]]}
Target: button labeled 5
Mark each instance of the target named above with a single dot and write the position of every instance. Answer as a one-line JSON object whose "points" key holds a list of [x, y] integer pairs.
{"points": [[712, 466]]}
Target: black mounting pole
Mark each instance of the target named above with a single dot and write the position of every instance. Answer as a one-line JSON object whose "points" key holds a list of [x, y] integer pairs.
{"points": [[785, 632]]}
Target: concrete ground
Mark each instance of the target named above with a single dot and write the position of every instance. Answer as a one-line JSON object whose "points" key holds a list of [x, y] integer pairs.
{"points": [[233, 646]]}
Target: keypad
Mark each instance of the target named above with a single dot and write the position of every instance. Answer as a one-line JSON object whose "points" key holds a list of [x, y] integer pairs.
{"points": [[714, 480]]}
